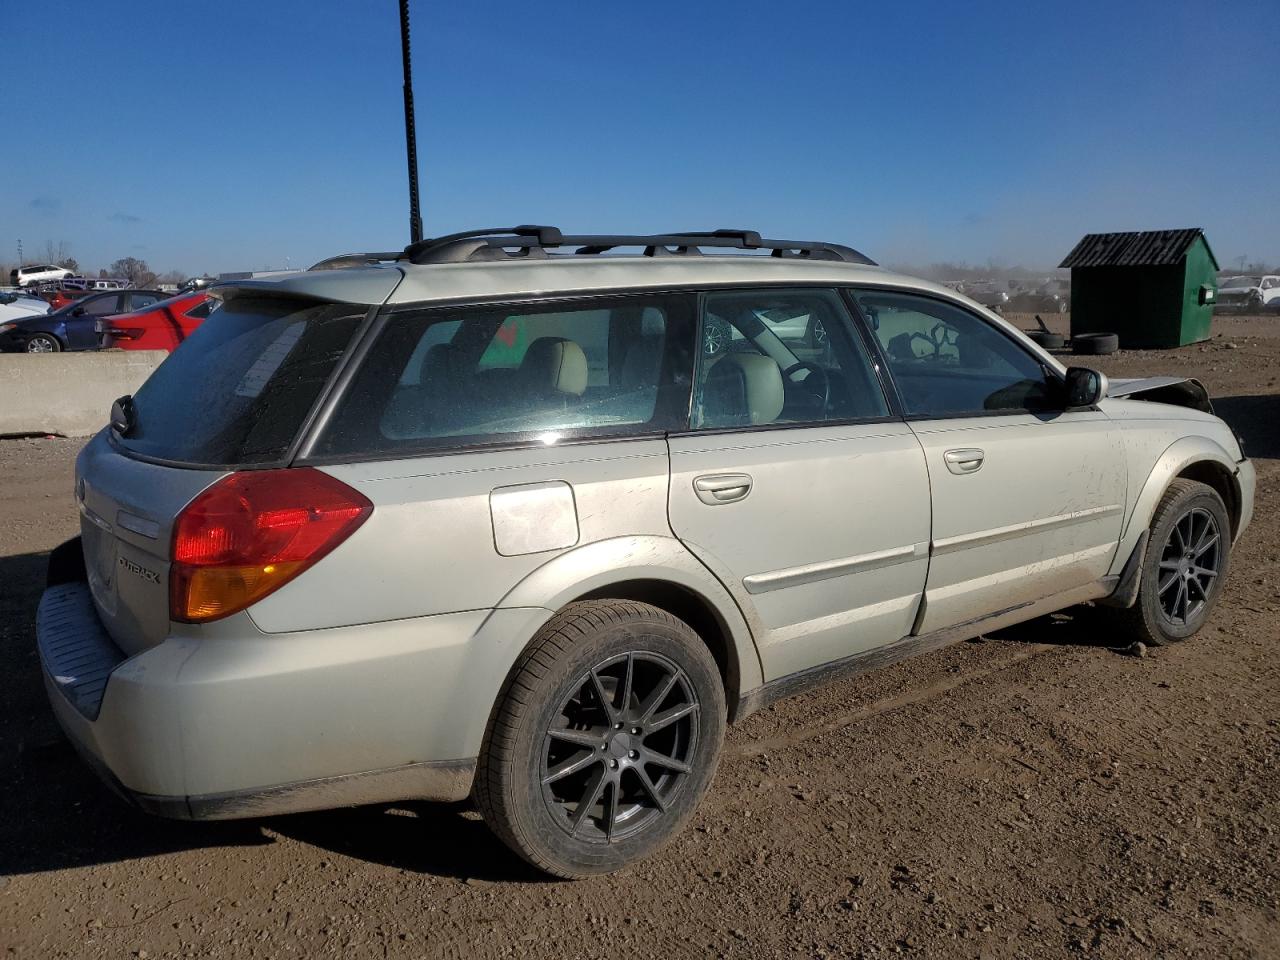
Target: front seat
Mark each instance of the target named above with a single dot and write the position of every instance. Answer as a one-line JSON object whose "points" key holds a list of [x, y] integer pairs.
{"points": [[553, 368], [742, 390]]}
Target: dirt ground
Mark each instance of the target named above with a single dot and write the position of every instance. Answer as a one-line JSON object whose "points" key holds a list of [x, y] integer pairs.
{"points": [[1036, 794]]}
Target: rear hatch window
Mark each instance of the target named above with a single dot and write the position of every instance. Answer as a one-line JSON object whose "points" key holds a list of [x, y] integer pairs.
{"points": [[240, 387]]}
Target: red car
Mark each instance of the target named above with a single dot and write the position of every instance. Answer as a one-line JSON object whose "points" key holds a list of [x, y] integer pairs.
{"points": [[60, 298], [161, 326]]}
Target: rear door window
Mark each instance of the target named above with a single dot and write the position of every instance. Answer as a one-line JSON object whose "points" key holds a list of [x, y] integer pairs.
{"points": [[103, 306], [777, 356], [238, 391], [460, 377]]}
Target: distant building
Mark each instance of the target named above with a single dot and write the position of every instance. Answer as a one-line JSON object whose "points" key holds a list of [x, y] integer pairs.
{"points": [[1155, 288]]}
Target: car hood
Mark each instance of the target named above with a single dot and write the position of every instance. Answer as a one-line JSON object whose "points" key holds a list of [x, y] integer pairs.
{"points": [[1176, 391], [28, 312]]}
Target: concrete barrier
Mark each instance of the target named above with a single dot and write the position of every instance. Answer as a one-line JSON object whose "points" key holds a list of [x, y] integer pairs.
{"points": [[68, 393]]}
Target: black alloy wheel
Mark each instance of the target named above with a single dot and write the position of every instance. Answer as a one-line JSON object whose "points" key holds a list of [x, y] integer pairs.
{"points": [[1189, 564], [603, 740], [1185, 565], [620, 746]]}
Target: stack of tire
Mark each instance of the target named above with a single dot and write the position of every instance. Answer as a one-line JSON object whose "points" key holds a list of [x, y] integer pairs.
{"points": [[1083, 344]]}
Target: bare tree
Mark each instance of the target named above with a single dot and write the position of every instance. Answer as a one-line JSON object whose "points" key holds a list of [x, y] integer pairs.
{"points": [[60, 253], [134, 270]]}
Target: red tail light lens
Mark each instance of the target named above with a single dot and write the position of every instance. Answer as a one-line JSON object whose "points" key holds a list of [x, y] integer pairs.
{"points": [[251, 533]]}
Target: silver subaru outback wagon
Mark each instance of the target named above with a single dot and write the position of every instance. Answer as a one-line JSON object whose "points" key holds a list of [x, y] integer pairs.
{"points": [[517, 515]]}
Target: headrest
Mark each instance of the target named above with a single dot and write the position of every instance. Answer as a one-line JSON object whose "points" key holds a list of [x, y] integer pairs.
{"points": [[742, 389], [439, 365], [554, 363], [641, 365]]}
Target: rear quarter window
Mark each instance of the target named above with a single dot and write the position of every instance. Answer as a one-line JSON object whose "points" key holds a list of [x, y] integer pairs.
{"points": [[467, 376], [239, 390]]}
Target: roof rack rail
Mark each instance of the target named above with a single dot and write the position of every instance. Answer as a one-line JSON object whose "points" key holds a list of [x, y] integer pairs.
{"points": [[533, 242]]}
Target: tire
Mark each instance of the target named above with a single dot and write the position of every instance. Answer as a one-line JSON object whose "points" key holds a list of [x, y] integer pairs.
{"points": [[1050, 341], [549, 721], [1149, 619], [715, 337], [43, 343], [1095, 344]]}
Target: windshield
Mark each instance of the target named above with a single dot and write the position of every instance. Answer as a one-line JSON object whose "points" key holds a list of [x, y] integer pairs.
{"points": [[238, 391]]}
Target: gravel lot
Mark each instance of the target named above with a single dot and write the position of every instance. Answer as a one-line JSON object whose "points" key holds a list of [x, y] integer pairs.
{"points": [[1034, 794]]}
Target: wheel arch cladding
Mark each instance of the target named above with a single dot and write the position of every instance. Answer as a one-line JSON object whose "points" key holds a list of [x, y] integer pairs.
{"points": [[1193, 458], [695, 610], [658, 571]]}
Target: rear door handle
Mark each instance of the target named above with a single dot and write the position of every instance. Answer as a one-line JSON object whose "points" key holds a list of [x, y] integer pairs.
{"points": [[722, 487], [966, 460]]}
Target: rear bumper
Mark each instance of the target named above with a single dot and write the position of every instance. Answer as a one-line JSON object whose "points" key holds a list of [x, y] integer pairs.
{"points": [[231, 722]]}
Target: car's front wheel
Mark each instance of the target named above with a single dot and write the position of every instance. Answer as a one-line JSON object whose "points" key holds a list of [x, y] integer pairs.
{"points": [[1185, 565], [604, 739], [43, 343]]}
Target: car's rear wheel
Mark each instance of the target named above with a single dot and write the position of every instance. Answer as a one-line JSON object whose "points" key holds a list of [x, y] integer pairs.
{"points": [[43, 343], [1188, 550], [604, 739]]}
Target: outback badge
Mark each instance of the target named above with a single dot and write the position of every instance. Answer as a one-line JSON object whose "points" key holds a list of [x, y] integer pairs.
{"points": [[139, 570]]}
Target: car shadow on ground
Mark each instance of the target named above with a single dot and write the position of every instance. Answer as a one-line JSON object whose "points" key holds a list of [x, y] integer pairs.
{"points": [[1086, 625], [56, 814], [421, 837], [1254, 419]]}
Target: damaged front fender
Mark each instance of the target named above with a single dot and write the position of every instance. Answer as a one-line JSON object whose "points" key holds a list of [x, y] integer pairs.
{"points": [[1175, 391]]}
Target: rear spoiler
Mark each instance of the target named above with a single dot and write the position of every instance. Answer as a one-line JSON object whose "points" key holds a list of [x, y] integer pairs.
{"points": [[372, 286]]}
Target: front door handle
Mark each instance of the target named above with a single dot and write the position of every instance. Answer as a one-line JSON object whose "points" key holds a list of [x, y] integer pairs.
{"points": [[722, 487], [966, 460]]}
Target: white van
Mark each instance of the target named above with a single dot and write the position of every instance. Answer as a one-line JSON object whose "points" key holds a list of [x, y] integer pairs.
{"points": [[22, 276]]}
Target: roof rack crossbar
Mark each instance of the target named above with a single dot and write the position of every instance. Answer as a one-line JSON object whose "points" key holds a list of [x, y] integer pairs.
{"points": [[526, 241]]}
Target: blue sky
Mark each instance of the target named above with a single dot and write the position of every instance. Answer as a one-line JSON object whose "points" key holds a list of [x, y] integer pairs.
{"points": [[234, 135]]}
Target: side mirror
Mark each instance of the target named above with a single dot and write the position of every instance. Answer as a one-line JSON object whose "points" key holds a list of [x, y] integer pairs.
{"points": [[78, 312], [1084, 387]]}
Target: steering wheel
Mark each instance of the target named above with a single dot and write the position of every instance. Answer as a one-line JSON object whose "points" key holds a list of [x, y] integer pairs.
{"points": [[818, 371]]}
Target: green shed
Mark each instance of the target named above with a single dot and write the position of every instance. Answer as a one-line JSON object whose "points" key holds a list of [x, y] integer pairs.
{"points": [[1154, 288]]}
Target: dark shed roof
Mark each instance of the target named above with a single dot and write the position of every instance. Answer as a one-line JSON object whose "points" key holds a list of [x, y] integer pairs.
{"points": [[1139, 249]]}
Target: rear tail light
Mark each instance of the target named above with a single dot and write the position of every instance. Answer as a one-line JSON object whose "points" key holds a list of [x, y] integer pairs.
{"points": [[251, 533]]}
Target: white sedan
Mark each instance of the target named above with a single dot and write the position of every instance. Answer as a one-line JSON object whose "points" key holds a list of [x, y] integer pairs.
{"points": [[19, 306]]}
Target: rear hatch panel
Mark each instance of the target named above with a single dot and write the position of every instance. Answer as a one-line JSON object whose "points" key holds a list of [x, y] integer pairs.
{"points": [[127, 510], [237, 394]]}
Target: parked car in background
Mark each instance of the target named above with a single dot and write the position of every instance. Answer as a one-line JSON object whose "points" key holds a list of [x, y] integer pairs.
{"points": [[73, 326], [59, 298], [161, 326], [24, 276], [993, 294], [478, 523], [18, 306], [1249, 293], [1049, 297]]}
